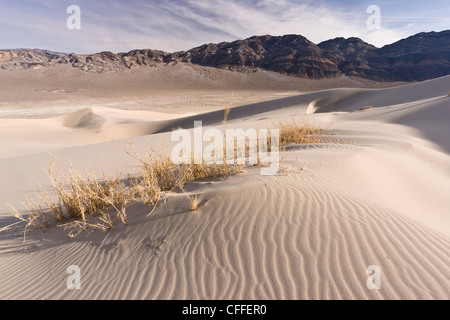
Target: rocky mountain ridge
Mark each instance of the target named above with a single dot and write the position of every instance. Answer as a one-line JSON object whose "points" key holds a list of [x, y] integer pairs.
{"points": [[416, 58]]}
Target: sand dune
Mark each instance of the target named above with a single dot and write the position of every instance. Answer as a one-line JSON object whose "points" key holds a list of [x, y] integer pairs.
{"points": [[82, 127], [374, 193]]}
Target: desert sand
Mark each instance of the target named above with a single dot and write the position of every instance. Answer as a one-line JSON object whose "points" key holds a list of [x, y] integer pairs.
{"points": [[375, 192]]}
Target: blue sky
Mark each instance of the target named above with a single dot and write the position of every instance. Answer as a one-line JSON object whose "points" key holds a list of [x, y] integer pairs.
{"points": [[172, 25]]}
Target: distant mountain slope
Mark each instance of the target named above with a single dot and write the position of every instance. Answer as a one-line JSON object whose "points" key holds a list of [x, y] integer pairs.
{"points": [[417, 58], [291, 55]]}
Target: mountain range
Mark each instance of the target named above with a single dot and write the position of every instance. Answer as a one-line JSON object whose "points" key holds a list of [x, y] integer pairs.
{"points": [[419, 57]]}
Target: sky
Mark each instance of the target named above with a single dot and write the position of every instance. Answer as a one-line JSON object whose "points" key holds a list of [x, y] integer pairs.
{"points": [[176, 25]]}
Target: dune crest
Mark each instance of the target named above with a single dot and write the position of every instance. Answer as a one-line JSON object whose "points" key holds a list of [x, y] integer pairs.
{"points": [[83, 119]]}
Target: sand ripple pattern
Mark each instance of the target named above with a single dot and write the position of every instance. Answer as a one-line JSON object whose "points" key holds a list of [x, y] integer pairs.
{"points": [[305, 235]]}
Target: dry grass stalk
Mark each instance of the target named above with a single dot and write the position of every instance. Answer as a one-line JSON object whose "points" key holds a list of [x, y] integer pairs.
{"points": [[194, 202], [192, 199]]}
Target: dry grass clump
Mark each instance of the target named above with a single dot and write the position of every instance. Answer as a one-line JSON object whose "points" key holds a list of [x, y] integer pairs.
{"points": [[158, 173], [294, 132], [77, 197], [81, 196]]}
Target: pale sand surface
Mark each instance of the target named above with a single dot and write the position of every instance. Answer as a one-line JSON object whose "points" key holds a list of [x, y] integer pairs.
{"points": [[375, 193]]}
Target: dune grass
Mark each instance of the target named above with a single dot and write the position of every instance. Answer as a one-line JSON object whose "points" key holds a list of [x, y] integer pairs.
{"points": [[79, 198], [75, 198], [81, 202], [295, 132]]}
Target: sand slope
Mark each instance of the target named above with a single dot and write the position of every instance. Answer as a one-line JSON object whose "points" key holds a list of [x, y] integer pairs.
{"points": [[374, 194], [82, 127]]}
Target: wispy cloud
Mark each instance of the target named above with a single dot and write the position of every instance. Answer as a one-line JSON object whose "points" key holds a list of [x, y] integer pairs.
{"points": [[173, 25]]}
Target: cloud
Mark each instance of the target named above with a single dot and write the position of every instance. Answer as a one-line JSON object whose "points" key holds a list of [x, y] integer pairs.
{"points": [[317, 21], [173, 25]]}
